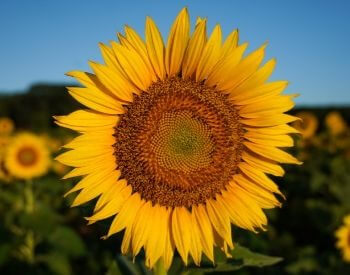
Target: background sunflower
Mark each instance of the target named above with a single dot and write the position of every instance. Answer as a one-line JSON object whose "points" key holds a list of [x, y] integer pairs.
{"points": [[26, 156], [343, 239]]}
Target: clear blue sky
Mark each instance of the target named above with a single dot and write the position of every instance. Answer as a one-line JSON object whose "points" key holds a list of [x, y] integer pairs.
{"points": [[40, 40]]}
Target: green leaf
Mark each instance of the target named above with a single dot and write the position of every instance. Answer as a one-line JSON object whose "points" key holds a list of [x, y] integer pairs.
{"points": [[250, 258], [114, 269], [5, 250], [67, 241], [42, 222], [57, 263], [241, 257], [131, 267]]}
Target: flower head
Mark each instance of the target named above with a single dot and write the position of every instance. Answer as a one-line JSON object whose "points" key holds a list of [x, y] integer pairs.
{"points": [[343, 238], [26, 156], [307, 125], [335, 123], [4, 140], [178, 139]]}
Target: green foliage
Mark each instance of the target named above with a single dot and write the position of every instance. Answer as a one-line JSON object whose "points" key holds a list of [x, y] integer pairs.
{"points": [[241, 257]]}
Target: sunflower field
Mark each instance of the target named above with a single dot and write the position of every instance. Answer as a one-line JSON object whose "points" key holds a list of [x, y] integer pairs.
{"points": [[173, 153], [41, 234]]}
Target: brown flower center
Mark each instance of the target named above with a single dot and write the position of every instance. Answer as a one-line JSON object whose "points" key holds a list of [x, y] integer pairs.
{"points": [[179, 143], [27, 156]]}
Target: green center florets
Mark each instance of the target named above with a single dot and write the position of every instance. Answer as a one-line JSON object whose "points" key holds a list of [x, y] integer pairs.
{"points": [[182, 142]]}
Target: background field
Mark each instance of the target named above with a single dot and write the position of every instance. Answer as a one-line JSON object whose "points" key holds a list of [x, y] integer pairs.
{"points": [[301, 232]]}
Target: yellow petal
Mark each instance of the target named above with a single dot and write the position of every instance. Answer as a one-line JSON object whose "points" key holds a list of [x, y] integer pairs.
{"points": [[177, 43], [121, 193], [155, 47], [243, 70], [222, 72], [114, 81], [79, 158], [277, 104], [194, 50], [133, 66], [257, 79], [275, 140], [84, 78], [263, 197], [139, 45], [258, 93], [199, 20], [243, 210], [263, 164], [110, 59], [210, 56], [169, 245], [96, 189], [220, 220], [115, 191], [126, 216], [222, 244], [94, 178], [87, 120], [84, 170], [274, 130], [125, 247], [156, 244], [90, 81], [272, 120], [271, 152], [181, 220], [142, 227], [259, 177], [96, 100], [230, 44], [205, 230], [101, 138], [196, 245]]}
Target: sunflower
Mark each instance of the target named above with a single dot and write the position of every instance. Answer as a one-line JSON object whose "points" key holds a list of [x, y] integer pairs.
{"points": [[343, 236], [307, 125], [4, 176], [177, 140], [335, 123], [4, 140], [26, 156], [6, 126]]}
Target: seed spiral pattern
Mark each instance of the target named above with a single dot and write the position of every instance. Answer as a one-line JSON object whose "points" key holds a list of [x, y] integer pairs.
{"points": [[179, 143]]}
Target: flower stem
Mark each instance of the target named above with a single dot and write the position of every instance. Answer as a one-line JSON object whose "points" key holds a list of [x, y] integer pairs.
{"points": [[29, 197], [29, 209], [159, 268]]}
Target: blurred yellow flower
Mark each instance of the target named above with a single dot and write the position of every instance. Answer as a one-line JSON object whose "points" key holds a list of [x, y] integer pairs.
{"points": [[27, 156], [4, 140], [4, 176], [308, 124], [343, 239], [6, 126], [335, 123], [179, 139]]}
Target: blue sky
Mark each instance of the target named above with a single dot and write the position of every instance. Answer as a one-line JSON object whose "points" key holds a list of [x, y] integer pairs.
{"points": [[43, 39]]}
